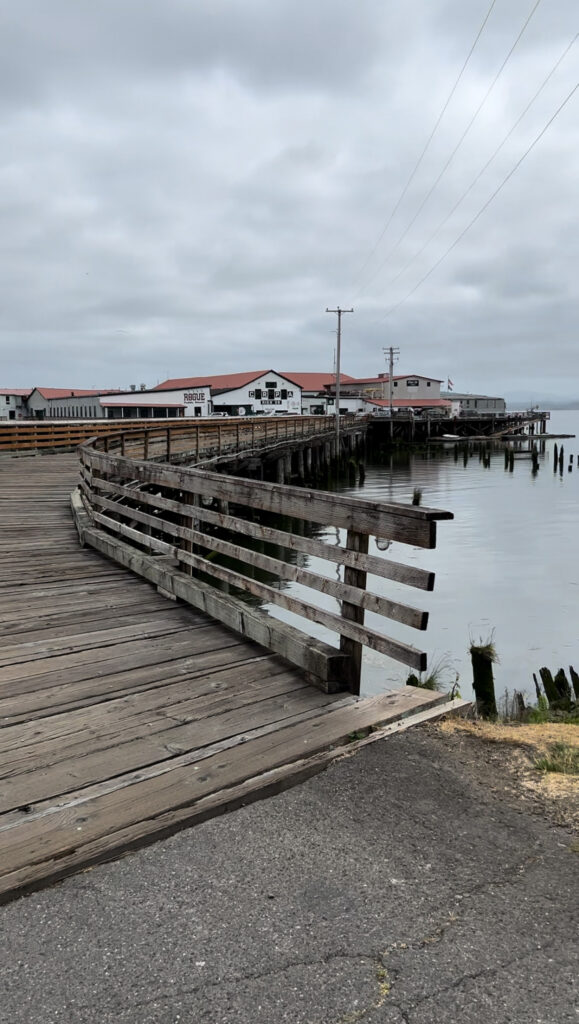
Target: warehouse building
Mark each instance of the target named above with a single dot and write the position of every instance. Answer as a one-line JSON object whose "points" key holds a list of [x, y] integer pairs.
{"points": [[404, 386], [254, 393], [475, 405]]}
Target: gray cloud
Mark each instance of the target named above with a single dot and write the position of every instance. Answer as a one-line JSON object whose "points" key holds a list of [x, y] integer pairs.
{"points": [[184, 188]]}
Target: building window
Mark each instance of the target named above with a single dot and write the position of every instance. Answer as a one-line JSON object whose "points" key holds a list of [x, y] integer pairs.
{"points": [[271, 384], [283, 393], [258, 393], [271, 393], [7, 399], [395, 383], [427, 383]]}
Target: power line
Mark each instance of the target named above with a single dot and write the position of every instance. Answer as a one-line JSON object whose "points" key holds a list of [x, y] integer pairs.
{"points": [[428, 141], [441, 174], [487, 165], [483, 208]]}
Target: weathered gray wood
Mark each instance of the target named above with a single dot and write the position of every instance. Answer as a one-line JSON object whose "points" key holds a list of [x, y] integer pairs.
{"points": [[124, 811], [239, 616], [352, 611], [378, 566], [323, 661], [341, 591], [409, 524]]}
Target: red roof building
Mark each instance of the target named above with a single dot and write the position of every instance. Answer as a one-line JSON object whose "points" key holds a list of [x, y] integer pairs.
{"points": [[49, 393], [220, 381], [316, 381]]}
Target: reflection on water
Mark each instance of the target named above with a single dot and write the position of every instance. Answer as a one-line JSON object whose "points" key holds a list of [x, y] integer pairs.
{"points": [[507, 562]]}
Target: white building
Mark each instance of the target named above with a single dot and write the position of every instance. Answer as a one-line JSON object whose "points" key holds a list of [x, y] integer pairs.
{"points": [[65, 403], [239, 394], [316, 389], [13, 403], [188, 402], [475, 405], [73, 404], [404, 386]]}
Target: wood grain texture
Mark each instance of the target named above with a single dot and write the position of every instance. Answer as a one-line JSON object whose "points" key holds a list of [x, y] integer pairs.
{"points": [[124, 716]]}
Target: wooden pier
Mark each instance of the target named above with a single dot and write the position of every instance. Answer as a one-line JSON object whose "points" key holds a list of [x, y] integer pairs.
{"points": [[125, 716]]}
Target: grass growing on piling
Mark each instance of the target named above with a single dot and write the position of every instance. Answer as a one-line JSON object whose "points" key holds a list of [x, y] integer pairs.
{"points": [[487, 650]]}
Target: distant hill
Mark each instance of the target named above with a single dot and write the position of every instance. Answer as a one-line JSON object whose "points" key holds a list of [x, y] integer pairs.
{"points": [[526, 402]]}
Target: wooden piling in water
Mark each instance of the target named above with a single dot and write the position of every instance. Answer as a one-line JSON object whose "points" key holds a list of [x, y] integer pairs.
{"points": [[482, 658], [535, 460]]}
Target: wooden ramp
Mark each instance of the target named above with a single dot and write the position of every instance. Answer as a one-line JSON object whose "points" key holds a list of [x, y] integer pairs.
{"points": [[125, 716]]}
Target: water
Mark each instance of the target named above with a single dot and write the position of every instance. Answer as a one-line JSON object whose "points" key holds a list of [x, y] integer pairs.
{"points": [[506, 565]]}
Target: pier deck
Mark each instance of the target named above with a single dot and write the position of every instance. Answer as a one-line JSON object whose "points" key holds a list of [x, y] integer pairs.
{"points": [[125, 716]]}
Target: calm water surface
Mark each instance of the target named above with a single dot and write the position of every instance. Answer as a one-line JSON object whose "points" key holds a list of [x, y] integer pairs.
{"points": [[507, 564]]}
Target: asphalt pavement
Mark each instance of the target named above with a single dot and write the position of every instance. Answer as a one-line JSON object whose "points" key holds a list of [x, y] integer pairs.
{"points": [[394, 887]]}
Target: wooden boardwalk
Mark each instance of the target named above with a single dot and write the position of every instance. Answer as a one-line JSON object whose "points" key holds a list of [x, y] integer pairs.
{"points": [[123, 715]]}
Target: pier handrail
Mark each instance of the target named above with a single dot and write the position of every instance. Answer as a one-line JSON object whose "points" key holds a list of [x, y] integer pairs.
{"points": [[42, 434], [198, 533]]}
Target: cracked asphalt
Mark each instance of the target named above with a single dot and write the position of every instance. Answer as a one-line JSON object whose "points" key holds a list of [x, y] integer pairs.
{"points": [[394, 887]]}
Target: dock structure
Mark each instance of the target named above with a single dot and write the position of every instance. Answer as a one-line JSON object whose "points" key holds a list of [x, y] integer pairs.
{"points": [[124, 715], [405, 427]]}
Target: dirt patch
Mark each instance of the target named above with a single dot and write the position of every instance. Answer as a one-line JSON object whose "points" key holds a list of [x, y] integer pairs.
{"points": [[503, 757]]}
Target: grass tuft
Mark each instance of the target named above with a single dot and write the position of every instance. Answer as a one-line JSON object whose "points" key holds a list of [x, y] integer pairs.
{"points": [[486, 650], [562, 757]]}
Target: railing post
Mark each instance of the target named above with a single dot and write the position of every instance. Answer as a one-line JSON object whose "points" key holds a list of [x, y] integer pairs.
{"points": [[219, 438], [237, 442], [253, 433], [122, 444], [168, 443], [146, 444], [354, 578], [189, 523], [197, 442]]}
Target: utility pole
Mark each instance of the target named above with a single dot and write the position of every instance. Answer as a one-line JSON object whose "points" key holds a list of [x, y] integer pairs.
{"points": [[338, 354], [392, 352]]}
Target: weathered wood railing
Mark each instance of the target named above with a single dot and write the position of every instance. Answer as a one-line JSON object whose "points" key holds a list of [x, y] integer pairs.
{"points": [[164, 437], [199, 534]]}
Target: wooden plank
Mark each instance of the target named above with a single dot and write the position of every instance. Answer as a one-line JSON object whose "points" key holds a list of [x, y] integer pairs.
{"points": [[152, 674], [385, 568], [136, 748], [321, 660], [354, 612], [181, 696], [409, 524], [283, 570], [90, 814], [27, 651]]}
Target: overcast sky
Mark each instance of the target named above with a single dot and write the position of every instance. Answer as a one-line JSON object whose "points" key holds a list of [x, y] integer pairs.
{"points": [[187, 184]]}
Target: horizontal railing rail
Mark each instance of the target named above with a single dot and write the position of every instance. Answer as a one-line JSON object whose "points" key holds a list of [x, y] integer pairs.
{"points": [[219, 541], [167, 437]]}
